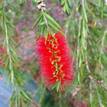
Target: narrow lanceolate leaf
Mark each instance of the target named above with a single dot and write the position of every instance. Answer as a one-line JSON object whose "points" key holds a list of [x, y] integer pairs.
{"points": [[52, 22], [66, 5], [56, 64], [38, 20]]}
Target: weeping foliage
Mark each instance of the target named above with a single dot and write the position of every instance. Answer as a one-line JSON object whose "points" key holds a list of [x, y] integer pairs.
{"points": [[84, 24]]}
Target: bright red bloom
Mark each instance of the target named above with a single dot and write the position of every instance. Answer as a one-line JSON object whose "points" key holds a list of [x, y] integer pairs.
{"points": [[2, 51], [56, 64]]}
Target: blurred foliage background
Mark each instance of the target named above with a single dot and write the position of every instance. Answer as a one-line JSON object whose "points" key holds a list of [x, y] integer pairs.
{"points": [[83, 22]]}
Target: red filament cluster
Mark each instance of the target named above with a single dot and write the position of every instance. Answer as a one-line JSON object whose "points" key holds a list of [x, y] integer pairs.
{"points": [[56, 64], [2, 51]]}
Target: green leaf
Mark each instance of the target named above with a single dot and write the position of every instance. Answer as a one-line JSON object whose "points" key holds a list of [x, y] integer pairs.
{"points": [[66, 5], [52, 22], [56, 86]]}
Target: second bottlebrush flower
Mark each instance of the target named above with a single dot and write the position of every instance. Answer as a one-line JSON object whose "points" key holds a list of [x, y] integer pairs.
{"points": [[56, 64]]}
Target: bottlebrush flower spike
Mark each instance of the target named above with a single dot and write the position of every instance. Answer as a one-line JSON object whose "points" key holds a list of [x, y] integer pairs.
{"points": [[55, 61], [2, 51]]}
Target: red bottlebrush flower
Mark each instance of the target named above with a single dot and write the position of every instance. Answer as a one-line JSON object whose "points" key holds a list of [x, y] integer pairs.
{"points": [[56, 64], [2, 51]]}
